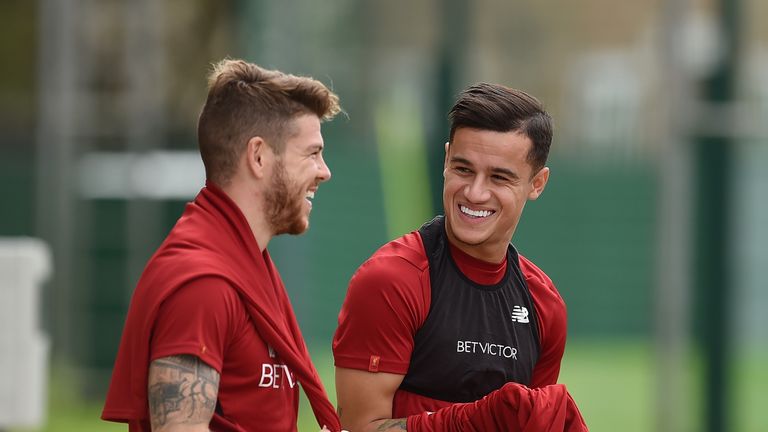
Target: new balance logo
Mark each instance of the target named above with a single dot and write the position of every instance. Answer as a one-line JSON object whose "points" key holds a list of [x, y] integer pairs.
{"points": [[519, 314]]}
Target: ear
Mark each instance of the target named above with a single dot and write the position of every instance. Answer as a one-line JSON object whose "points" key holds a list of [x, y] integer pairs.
{"points": [[445, 162], [539, 181], [257, 156]]}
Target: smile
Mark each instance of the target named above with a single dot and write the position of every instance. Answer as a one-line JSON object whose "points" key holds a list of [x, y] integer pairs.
{"points": [[475, 213], [308, 197]]}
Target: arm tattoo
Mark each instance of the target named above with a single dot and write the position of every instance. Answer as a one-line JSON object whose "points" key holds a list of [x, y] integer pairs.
{"points": [[392, 425], [181, 390]]}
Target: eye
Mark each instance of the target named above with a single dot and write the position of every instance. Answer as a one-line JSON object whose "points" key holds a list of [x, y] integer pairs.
{"points": [[462, 170], [499, 178]]}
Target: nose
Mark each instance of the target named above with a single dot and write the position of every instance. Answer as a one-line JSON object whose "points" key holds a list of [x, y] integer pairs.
{"points": [[476, 191], [324, 172]]}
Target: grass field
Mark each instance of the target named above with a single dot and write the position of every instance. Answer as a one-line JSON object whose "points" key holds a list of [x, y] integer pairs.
{"points": [[613, 384]]}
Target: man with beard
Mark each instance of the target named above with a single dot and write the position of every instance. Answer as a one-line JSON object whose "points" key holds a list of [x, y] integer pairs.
{"points": [[211, 341], [448, 328]]}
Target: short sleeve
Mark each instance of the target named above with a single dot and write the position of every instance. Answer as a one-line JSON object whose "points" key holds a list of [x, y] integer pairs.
{"points": [[200, 319], [387, 301], [552, 316]]}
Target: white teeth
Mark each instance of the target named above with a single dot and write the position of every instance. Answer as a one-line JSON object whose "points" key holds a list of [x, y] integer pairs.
{"points": [[310, 195], [475, 213]]}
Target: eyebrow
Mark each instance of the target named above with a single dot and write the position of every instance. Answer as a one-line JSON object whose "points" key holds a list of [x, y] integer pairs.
{"points": [[496, 170]]}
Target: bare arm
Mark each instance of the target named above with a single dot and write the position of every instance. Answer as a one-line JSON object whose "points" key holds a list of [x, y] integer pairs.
{"points": [[365, 400], [365, 405], [182, 393]]}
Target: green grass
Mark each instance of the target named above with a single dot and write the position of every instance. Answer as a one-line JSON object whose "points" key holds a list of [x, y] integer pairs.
{"points": [[750, 396], [612, 382], [66, 412]]}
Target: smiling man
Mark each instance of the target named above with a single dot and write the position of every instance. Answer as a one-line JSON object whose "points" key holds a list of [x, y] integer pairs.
{"points": [[449, 328], [211, 341]]}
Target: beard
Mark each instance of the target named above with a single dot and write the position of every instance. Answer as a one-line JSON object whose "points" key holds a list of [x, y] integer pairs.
{"points": [[285, 204]]}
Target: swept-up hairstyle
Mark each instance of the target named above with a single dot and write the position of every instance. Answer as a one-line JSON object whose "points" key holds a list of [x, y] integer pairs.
{"points": [[502, 109], [246, 100]]}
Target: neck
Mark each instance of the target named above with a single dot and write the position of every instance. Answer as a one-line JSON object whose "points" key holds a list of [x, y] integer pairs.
{"points": [[252, 209], [493, 254]]}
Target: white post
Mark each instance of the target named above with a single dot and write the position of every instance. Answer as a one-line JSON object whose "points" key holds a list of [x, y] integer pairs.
{"points": [[25, 264]]}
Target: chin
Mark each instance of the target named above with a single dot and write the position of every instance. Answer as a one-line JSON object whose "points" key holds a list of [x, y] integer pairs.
{"points": [[472, 240], [469, 237], [299, 227]]}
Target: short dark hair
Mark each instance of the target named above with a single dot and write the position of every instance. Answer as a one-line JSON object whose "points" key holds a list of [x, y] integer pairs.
{"points": [[245, 100], [498, 108]]}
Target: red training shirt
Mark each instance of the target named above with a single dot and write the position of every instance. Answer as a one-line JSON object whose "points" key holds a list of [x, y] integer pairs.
{"points": [[389, 298], [207, 319]]}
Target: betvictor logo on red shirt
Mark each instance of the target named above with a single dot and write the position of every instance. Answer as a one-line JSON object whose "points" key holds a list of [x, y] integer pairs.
{"points": [[275, 375]]}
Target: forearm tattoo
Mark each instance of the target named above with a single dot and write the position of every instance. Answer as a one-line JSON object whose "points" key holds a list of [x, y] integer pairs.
{"points": [[181, 390], [392, 425]]}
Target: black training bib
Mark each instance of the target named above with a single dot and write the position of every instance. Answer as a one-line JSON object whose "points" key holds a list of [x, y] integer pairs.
{"points": [[476, 337]]}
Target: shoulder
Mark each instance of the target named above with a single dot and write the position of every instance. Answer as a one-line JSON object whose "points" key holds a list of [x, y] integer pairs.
{"points": [[210, 300], [401, 259], [205, 290], [386, 302], [393, 284], [198, 318], [551, 311], [552, 318], [407, 250], [542, 288]]}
